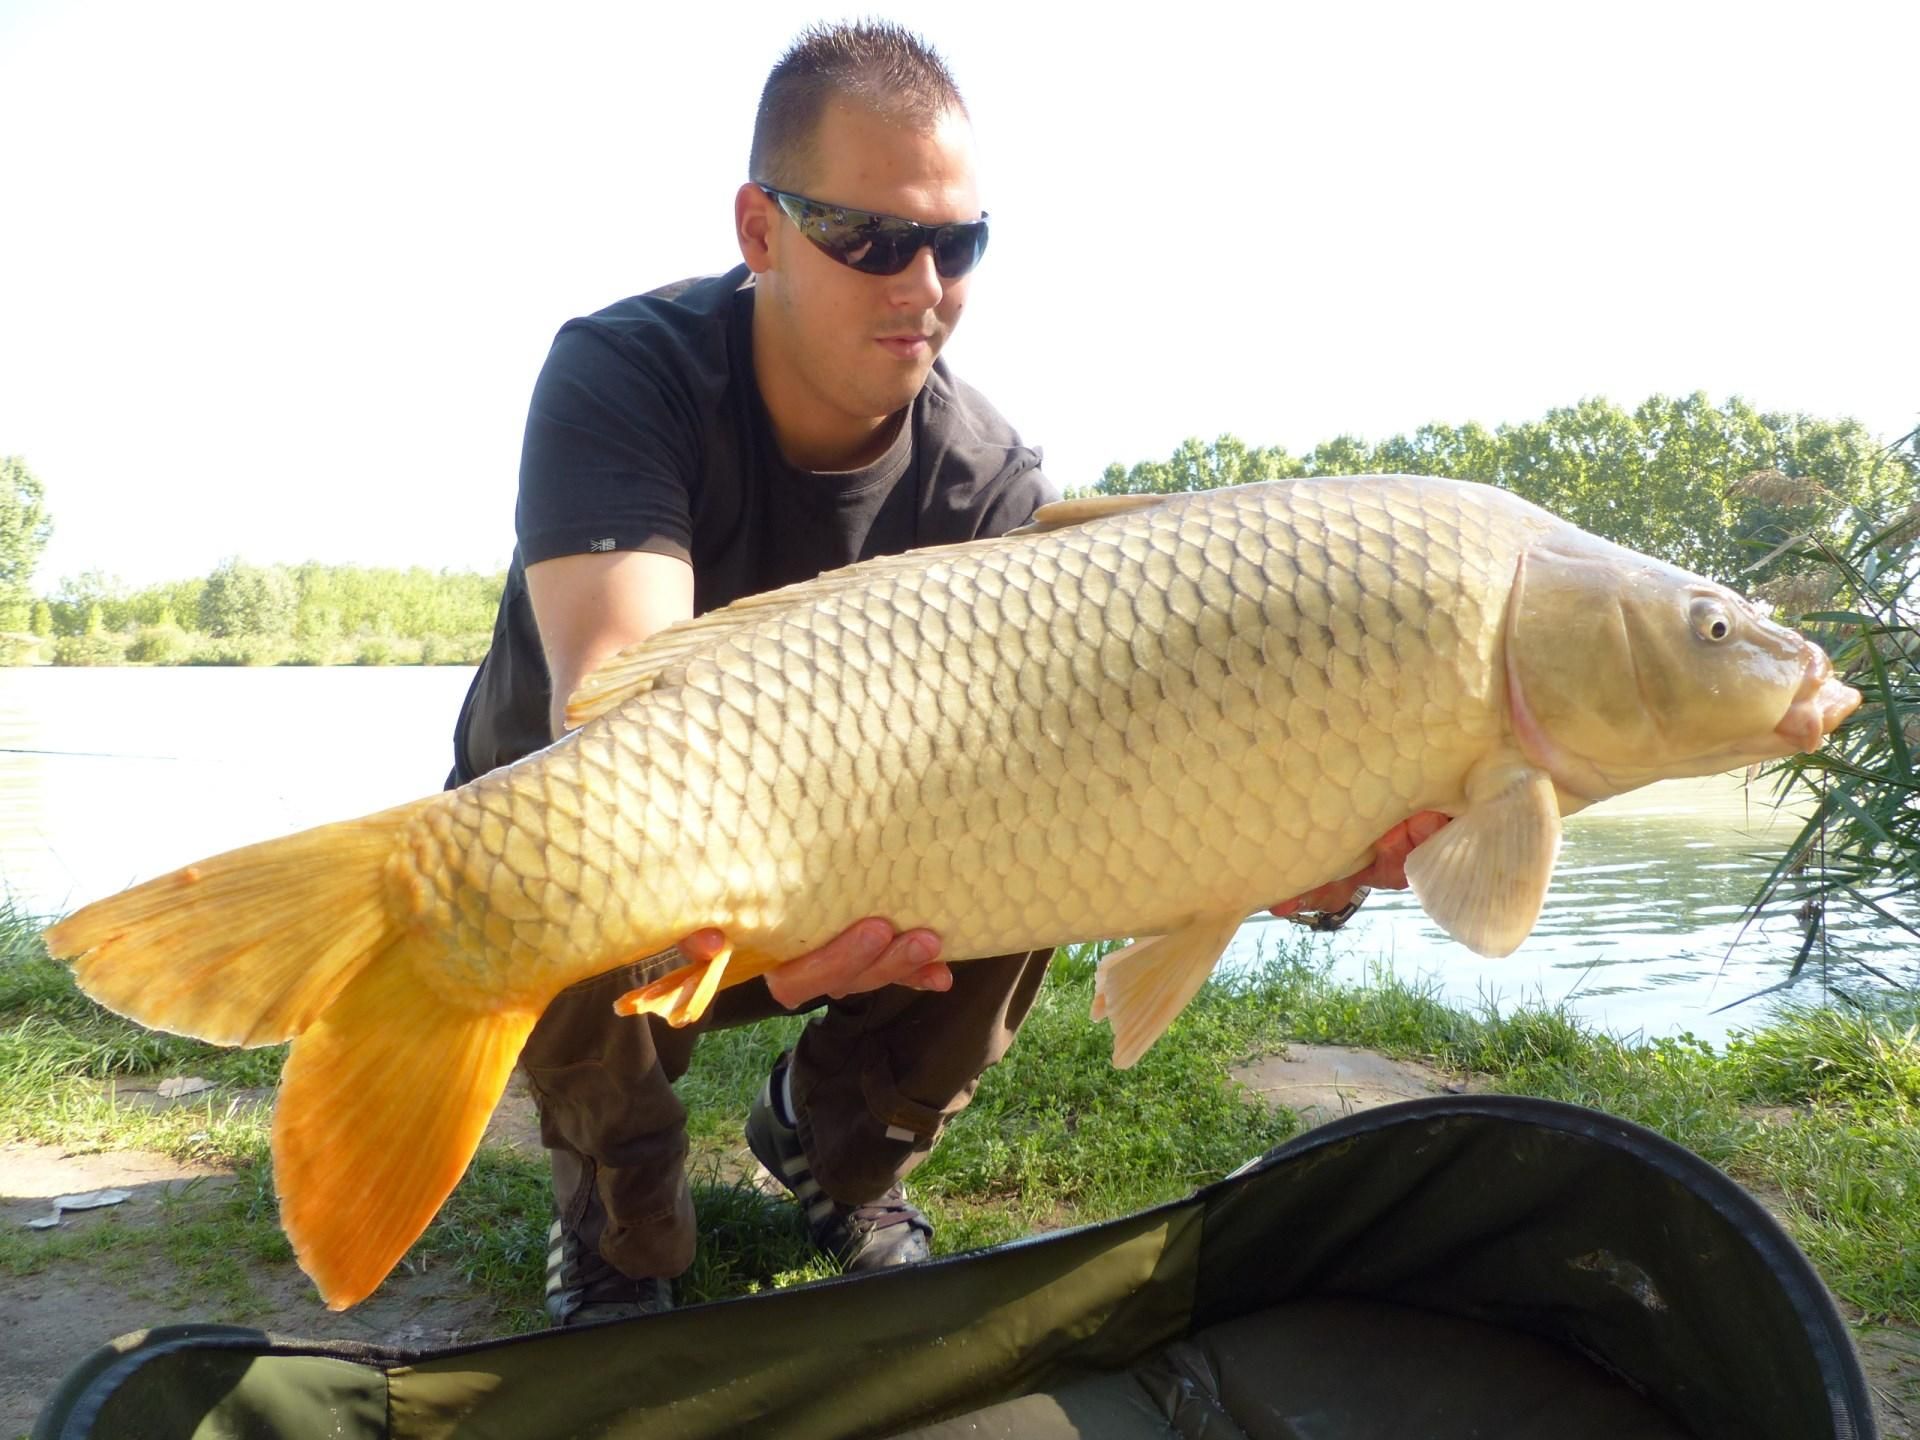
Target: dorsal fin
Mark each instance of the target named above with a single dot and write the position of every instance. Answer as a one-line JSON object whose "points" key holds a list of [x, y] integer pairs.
{"points": [[1062, 513], [628, 672], [634, 670]]}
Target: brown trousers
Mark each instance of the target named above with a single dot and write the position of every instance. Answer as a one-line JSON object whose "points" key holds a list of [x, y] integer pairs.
{"points": [[876, 1077]]}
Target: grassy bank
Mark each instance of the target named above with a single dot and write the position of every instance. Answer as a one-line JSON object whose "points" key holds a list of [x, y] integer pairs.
{"points": [[1816, 1112]]}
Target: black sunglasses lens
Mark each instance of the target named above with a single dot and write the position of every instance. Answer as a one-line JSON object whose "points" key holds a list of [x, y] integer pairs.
{"points": [[958, 248], [884, 244], [880, 247]]}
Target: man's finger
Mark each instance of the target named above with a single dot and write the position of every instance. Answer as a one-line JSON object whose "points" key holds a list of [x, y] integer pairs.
{"points": [[1386, 871], [701, 946], [937, 977], [1330, 896], [868, 955], [861, 943], [904, 961], [828, 970]]}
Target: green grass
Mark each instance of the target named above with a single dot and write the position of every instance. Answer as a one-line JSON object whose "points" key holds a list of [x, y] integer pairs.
{"points": [[1814, 1109], [1056, 1135]]}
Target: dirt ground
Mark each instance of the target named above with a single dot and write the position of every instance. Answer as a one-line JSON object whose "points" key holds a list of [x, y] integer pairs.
{"points": [[50, 1322]]}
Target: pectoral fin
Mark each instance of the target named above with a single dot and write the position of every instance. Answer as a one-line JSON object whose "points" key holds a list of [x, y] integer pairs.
{"points": [[1484, 877], [1140, 989]]}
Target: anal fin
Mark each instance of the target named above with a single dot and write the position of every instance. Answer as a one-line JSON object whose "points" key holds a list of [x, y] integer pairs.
{"points": [[682, 997], [382, 1103], [1484, 878], [1140, 989]]}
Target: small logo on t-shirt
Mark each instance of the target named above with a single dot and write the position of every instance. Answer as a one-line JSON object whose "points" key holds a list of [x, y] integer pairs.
{"points": [[600, 545]]}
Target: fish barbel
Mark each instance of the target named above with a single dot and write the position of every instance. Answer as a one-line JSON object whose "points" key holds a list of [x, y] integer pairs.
{"points": [[1144, 716]]}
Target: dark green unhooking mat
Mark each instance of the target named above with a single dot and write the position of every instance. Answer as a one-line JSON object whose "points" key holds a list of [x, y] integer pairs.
{"points": [[1458, 1267]]}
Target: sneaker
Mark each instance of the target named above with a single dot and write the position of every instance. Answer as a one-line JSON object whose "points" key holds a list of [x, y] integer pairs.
{"points": [[884, 1232], [583, 1289]]}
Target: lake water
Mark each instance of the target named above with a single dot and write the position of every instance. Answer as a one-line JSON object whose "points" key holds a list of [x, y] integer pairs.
{"points": [[109, 776]]}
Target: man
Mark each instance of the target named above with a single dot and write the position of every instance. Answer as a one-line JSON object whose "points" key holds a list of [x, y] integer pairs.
{"points": [[712, 440]]}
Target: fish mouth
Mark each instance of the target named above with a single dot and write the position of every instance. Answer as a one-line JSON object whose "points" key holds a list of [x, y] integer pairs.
{"points": [[1819, 706]]}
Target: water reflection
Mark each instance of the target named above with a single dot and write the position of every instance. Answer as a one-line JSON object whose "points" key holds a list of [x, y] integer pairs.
{"points": [[111, 776], [1642, 930]]}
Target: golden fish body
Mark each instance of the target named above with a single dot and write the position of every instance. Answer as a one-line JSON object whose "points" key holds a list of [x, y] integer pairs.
{"points": [[1146, 716], [1207, 704]]}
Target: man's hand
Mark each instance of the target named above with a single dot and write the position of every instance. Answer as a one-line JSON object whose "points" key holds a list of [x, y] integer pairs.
{"points": [[1388, 870], [868, 955]]}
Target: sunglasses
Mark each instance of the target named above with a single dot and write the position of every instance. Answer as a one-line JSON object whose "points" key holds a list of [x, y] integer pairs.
{"points": [[883, 244]]}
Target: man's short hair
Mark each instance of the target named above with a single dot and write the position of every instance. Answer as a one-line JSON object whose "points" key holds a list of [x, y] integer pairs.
{"points": [[873, 63]]}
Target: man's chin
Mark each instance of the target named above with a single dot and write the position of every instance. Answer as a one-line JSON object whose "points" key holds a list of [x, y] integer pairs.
{"points": [[900, 392]]}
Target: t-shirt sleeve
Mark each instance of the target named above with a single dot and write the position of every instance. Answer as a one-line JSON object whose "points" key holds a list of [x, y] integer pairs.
{"points": [[608, 462]]}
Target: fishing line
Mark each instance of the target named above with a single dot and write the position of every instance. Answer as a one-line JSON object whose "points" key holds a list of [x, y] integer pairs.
{"points": [[85, 754]]}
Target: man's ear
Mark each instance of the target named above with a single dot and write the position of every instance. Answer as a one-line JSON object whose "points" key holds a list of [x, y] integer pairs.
{"points": [[753, 226]]}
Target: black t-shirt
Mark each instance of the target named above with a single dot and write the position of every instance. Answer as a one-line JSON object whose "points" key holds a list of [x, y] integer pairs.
{"points": [[647, 432]]}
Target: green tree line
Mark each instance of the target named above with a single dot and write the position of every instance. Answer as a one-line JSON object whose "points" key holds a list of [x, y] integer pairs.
{"points": [[1713, 488], [306, 602], [272, 614], [239, 614]]}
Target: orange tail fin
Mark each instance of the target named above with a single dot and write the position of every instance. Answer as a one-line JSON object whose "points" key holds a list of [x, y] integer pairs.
{"points": [[391, 1079], [245, 948], [382, 1104]]}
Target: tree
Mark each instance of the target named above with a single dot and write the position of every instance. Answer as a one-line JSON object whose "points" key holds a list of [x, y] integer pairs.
{"points": [[1715, 489], [24, 528], [90, 598], [241, 599], [1198, 466], [165, 603]]}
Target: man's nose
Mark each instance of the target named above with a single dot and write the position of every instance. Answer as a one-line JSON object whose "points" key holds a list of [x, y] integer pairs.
{"points": [[919, 286]]}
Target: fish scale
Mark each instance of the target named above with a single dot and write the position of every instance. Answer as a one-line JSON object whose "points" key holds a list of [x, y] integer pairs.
{"points": [[1138, 716], [1186, 707]]}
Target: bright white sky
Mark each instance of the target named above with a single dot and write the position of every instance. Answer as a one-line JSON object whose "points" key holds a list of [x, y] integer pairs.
{"points": [[276, 279]]}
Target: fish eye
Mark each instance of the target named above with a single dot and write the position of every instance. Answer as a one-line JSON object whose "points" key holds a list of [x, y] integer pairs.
{"points": [[1710, 618]]}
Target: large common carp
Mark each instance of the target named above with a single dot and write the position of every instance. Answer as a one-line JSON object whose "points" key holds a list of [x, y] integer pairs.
{"points": [[1146, 716]]}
